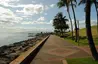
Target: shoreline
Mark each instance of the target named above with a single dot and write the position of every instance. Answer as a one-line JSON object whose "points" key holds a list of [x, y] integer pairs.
{"points": [[12, 51]]}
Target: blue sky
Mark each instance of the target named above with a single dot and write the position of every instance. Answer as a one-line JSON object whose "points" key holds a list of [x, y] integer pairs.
{"points": [[34, 15]]}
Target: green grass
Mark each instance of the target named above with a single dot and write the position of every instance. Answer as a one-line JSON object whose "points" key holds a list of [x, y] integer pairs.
{"points": [[81, 42], [94, 31], [71, 41], [82, 61], [83, 39]]}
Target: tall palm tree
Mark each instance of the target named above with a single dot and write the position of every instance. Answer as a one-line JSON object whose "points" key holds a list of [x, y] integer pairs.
{"points": [[96, 4], [75, 21], [88, 28], [67, 3], [78, 31], [62, 4]]}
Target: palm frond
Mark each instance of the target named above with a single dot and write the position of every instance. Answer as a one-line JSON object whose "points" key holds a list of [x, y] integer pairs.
{"points": [[75, 1], [74, 5], [66, 19], [97, 4], [60, 4], [82, 2]]}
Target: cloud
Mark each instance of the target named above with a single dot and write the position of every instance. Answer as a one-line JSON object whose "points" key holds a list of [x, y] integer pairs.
{"points": [[46, 7], [52, 5], [32, 9], [8, 2], [8, 17], [28, 9], [40, 20], [51, 21]]}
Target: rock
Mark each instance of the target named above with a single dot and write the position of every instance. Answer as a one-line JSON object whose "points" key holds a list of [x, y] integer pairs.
{"points": [[12, 51], [4, 61], [12, 56]]}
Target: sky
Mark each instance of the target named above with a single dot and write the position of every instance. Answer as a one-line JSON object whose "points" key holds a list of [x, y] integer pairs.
{"points": [[35, 15]]}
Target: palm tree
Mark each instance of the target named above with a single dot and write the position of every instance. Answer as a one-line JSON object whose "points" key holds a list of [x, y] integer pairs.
{"points": [[78, 31], [75, 21], [62, 4], [67, 3], [88, 28], [59, 23], [96, 4]]}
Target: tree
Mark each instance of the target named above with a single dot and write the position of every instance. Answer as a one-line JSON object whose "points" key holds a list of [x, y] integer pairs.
{"points": [[78, 31], [67, 3], [88, 28], [60, 4], [96, 6], [75, 21], [59, 23]]}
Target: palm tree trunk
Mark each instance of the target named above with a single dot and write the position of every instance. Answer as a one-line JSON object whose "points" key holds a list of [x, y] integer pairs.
{"points": [[97, 20], [70, 22], [88, 30], [96, 12], [78, 32], [74, 21]]}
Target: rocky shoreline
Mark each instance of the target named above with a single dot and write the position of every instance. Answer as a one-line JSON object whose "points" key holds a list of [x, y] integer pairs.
{"points": [[12, 51]]}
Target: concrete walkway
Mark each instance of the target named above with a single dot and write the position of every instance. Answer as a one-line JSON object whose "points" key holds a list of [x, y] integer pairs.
{"points": [[55, 50]]}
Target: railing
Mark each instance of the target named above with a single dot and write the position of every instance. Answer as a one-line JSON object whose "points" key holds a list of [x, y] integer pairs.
{"points": [[28, 56]]}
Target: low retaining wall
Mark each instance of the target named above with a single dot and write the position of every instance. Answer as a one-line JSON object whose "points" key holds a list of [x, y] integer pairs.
{"points": [[28, 56]]}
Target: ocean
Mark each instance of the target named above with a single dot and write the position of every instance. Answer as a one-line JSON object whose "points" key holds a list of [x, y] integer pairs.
{"points": [[9, 38]]}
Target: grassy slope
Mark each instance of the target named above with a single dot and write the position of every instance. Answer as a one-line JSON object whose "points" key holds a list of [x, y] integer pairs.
{"points": [[83, 31], [82, 61], [83, 39]]}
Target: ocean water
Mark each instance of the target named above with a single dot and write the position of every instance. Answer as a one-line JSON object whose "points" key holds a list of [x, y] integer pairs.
{"points": [[9, 38]]}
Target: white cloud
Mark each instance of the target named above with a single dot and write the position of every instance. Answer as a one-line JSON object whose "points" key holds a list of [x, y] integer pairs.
{"points": [[52, 5], [7, 16], [28, 9], [27, 22], [40, 20], [25, 16], [7, 2], [33, 22], [51, 21], [46, 7], [32, 9]]}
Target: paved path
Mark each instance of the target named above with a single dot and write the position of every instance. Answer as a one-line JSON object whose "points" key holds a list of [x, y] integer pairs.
{"points": [[55, 50]]}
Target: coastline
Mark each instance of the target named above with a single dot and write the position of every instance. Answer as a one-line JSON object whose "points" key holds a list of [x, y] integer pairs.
{"points": [[12, 51]]}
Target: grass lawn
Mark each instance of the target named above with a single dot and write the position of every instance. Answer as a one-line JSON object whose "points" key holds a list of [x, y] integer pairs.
{"points": [[83, 39], [81, 61]]}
